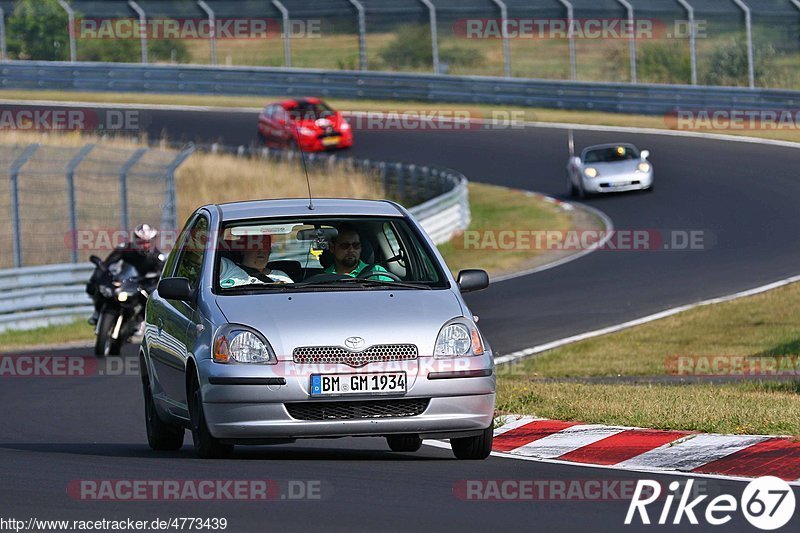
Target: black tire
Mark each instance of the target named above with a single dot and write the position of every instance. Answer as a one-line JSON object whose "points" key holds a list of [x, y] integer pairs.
{"points": [[104, 345], [205, 445], [404, 443], [573, 190], [473, 448], [160, 435]]}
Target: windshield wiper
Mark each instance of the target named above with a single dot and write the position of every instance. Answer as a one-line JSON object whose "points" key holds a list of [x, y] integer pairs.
{"points": [[382, 283]]}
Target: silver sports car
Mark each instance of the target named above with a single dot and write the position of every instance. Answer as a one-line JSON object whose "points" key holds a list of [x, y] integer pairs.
{"points": [[274, 322], [609, 168]]}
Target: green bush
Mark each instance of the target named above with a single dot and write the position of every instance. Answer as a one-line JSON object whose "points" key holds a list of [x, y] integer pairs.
{"points": [[411, 49], [39, 30], [727, 64], [663, 63]]}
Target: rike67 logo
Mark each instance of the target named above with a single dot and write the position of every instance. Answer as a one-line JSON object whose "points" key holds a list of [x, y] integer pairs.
{"points": [[768, 503]]}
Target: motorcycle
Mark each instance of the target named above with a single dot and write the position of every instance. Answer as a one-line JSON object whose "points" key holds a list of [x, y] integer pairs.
{"points": [[125, 295]]}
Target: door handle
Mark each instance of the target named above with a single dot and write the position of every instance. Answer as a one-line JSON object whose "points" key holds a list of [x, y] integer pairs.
{"points": [[160, 323]]}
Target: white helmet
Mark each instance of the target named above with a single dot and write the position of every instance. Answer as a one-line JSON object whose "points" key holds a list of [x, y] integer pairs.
{"points": [[145, 232]]}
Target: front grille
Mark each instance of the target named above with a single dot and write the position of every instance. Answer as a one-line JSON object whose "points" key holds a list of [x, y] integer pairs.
{"points": [[356, 410], [380, 353]]}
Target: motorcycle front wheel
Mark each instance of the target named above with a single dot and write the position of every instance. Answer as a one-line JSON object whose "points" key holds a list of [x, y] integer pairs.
{"points": [[105, 345]]}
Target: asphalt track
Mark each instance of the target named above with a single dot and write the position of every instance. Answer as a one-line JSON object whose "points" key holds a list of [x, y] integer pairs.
{"points": [[742, 195]]}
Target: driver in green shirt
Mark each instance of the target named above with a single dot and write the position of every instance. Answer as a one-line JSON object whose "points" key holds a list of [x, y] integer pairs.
{"points": [[346, 250]]}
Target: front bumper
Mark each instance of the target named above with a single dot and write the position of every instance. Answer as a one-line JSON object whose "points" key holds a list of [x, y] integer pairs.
{"points": [[443, 417], [632, 182], [256, 410]]}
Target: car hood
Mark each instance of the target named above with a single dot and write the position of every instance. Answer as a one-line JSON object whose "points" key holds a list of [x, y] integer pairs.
{"points": [[333, 121], [289, 320], [615, 168]]}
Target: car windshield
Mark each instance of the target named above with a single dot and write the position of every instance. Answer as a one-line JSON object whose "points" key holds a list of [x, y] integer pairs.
{"points": [[365, 253], [310, 111], [611, 154]]}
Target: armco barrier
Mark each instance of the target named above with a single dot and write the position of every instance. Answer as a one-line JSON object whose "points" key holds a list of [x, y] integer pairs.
{"points": [[263, 81]]}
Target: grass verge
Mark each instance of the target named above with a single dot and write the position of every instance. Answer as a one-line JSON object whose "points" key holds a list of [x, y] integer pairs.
{"points": [[744, 336], [532, 114], [77, 331], [743, 408]]}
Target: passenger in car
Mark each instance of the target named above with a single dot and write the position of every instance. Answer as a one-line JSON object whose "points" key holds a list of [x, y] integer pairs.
{"points": [[253, 266], [346, 250]]}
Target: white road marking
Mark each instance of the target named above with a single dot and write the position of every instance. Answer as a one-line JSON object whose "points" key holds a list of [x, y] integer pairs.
{"points": [[567, 440], [692, 452]]}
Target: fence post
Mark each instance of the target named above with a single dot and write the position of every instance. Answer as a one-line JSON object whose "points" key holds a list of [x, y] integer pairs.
{"points": [[573, 65], [71, 17], [169, 218], [632, 41], [362, 32], [123, 185], [434, 34], [401, 181], [748, 26], [506, 46], [692, 38], [3, 54], [142, 28], [72, 166], [212, 29], [16, 226], [287, 44]]}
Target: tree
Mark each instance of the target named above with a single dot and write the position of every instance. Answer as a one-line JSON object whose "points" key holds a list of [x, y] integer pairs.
{"points": [[38, 29]]}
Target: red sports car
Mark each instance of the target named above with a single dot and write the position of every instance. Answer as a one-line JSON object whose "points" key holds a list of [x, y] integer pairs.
{"points": [[306, 123]]}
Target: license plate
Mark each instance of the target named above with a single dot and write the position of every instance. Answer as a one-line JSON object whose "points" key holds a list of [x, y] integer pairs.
{"points": [[330, 141], [340, 384]]}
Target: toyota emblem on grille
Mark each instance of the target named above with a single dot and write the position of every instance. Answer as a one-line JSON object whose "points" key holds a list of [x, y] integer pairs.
{"points": [[354, 343]]}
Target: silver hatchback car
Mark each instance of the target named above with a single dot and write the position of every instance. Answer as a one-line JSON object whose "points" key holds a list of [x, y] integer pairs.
{"points": [[275, 320]]}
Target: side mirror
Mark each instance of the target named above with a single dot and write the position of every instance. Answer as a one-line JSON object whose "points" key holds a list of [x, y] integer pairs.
{"points": [[96, 260], [175, 289], [575, 161], [645, 154], [472, 280]]}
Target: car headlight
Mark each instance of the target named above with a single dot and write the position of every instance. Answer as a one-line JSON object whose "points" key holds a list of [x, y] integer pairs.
{"points": [[458, 339], [122, 296], [345, 126], [591, 172], [308, 132], [243, 346], [643, 167]]}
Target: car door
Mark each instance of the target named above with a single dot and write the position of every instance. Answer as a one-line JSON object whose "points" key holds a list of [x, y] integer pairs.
{"points": [[170, 359], [266, 123]]}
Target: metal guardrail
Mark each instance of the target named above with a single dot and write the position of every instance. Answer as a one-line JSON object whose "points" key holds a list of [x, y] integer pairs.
{"points": [[44, 295], [262, 81], [53, 294]]}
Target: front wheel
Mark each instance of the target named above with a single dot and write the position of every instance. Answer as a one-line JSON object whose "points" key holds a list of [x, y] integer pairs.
{"points": [[477, 447], [105, 345], [205, 444], [160, 436]]}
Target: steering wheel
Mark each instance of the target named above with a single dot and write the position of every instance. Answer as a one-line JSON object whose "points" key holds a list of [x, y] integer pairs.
{"points": [[371, 272]]}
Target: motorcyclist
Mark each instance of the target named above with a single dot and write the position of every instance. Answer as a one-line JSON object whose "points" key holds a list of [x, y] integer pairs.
{"points": [[141, 253]]}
